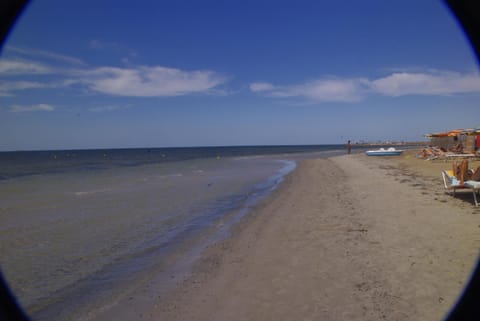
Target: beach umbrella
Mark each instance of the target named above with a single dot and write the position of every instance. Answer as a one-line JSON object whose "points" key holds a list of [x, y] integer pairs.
{"points": [[451, 133], [472, 132], [454, 132]]}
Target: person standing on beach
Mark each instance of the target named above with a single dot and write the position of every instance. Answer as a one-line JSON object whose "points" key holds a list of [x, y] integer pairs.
{"points": [[349, 147]]}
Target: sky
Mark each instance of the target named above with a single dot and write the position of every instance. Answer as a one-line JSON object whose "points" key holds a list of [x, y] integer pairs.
{"points": [[118, 74]]}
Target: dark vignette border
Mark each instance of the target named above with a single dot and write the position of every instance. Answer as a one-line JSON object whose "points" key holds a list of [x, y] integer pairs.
{"points": [[467, 307]]}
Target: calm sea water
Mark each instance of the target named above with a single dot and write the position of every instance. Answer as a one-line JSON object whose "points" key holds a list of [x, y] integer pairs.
{"points": [[79, 229]]}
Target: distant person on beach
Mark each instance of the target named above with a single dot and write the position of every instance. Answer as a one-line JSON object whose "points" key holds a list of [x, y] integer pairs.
{"points": [[349, 147]]}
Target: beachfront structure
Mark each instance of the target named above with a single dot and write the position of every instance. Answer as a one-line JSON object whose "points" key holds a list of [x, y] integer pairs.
{"points": [[468, 139]]}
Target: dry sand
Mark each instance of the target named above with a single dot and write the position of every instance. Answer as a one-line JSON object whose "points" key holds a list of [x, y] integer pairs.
{"points": [[346, 238]]}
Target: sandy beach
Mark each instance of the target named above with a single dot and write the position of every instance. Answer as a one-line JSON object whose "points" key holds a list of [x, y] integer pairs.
{"points": [[344, 238]]}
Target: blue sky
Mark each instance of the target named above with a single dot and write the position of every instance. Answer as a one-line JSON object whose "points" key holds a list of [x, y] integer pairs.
{"points": [[112, 74]]}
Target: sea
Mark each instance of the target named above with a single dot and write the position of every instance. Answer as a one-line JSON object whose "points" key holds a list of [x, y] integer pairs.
{"points": [[80, 228]]}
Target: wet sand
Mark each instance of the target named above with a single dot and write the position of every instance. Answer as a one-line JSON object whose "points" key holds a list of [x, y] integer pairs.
{"points": [[346, 238]]}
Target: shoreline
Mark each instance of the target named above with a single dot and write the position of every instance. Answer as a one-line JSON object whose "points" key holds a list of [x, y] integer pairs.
{"points": [[341, 238]]}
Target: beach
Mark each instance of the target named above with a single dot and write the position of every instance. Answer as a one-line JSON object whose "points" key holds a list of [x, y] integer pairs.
{"points": [[343, 238], [81, 229]]}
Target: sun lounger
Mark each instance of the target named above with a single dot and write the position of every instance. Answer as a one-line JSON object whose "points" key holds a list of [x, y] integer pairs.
{"points": [[451, 184], [431, 153], [455, 155], [475, 186], [474, 174]]}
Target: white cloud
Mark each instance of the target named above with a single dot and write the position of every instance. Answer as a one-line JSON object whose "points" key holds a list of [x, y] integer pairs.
{"points": [[22, 67], [433, 83], [430, 82], [161, 81], [107, 108], [141, 81], [45, 54], [323, 90], [261, 86], [341, 90], [31, 108], [147, 81], [6, 88]]}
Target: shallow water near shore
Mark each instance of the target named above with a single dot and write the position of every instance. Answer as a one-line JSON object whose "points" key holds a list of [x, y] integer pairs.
{"points": [[72, 241]]}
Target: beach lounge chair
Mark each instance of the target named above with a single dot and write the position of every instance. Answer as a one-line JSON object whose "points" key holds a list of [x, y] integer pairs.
{"points": [[451, 184], [474, 174], [450, 155], [431, 153], [457, 148], [475, 187]]}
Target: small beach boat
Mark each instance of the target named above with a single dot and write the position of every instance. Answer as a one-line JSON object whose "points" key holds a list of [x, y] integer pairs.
{"points": [[384, 152]]}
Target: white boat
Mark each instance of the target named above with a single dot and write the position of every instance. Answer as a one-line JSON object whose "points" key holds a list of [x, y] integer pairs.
{"points": [[384, 152]]}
